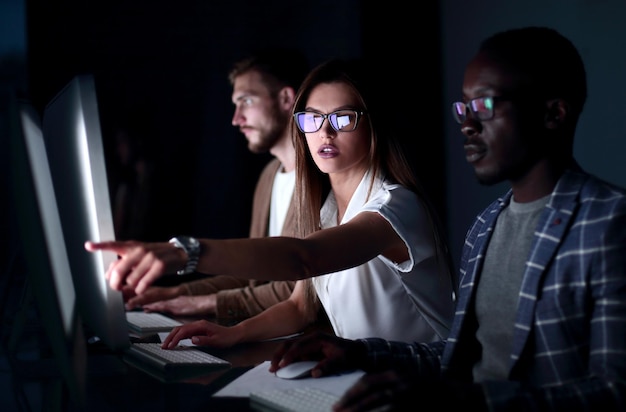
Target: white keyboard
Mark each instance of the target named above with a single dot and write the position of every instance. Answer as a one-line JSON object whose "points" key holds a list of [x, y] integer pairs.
{"points": [[171, 364], [180, 354], [293, 400], [149, 322]]}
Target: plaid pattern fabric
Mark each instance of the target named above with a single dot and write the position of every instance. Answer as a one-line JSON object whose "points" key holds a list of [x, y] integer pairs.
{"points": [[570, 332]]}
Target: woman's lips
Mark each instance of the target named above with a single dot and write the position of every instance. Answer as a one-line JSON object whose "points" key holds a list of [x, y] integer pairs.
{"points": [[327, 151]]}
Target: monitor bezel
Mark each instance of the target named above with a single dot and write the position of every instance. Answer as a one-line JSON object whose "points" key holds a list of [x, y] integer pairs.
{"points": [[74, 144]]}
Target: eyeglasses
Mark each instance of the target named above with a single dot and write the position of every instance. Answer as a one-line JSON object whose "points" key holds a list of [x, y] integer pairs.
{"points": [[481, 108], [341, 120]]}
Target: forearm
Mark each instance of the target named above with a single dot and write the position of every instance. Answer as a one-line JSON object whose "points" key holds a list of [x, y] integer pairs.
{"points": [[213, 284], [275, 258], [279, 320], [424, 359], [251, 300], [287, 258]]}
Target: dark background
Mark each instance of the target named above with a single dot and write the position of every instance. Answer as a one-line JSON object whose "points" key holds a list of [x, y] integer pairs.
{"points": [[165, 66]]}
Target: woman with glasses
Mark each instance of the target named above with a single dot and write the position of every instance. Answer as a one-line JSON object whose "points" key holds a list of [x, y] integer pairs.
{"points": [[369, 248]]}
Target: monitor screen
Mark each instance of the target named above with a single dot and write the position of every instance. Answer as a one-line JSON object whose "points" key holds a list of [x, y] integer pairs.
{"points": [[71, 129], [43, 249]]}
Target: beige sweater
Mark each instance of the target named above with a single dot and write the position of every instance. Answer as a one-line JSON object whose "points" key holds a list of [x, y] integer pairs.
{"points": [[241, 298]]}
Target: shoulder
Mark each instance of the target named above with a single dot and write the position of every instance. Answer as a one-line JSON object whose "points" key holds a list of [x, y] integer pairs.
{"points": [[398, 205], [591, 192], [595, 187], [390, 195], [269, 171], [271, 167]]}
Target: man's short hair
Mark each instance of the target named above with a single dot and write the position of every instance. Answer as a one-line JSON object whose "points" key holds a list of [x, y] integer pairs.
{"points": [[279, 67], [548, 60]]}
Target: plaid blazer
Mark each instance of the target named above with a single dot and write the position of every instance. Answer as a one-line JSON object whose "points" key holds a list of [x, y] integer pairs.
{"points": [[569, 345]]}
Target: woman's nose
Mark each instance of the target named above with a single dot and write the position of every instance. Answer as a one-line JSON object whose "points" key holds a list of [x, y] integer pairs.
{"points": [[327, 131]]}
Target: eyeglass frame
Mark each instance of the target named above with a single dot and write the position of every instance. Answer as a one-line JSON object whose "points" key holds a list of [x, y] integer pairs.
{"points": [[358, 114], [468, 107]]}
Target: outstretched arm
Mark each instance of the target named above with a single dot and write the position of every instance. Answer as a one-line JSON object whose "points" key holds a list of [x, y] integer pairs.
{"points": [[272, 258]]}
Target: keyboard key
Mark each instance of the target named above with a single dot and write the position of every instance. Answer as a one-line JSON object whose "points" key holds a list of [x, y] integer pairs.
{"points": [[178, 355], [293, 400], [173, 364], [150, 322]]}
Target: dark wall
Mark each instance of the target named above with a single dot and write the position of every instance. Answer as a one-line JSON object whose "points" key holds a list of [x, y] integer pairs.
{"points": [[405, 47], [13, 81], [165, 66]]}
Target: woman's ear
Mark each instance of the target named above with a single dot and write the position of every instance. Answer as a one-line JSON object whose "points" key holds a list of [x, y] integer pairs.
{"points": [[557, 113]]}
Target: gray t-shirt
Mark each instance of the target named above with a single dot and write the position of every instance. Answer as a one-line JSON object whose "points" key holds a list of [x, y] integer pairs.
{"points": [[499, 284]]}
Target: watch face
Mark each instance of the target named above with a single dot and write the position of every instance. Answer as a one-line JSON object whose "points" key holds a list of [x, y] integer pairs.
{"points": [[191, 246]]}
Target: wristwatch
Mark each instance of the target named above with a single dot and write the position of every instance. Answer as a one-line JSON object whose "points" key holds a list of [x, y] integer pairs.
{"points": [[191, 246]]}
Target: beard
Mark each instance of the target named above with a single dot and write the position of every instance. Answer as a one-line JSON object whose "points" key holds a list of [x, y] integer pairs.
{"points": [[265, 141]]}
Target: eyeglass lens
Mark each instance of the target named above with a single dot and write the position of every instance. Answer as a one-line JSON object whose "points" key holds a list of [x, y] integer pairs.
{"points": [[341, 120], [482, 109]]}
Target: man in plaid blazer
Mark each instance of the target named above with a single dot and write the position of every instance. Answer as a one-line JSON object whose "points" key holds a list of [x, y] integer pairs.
{"points": [[540, 322]]}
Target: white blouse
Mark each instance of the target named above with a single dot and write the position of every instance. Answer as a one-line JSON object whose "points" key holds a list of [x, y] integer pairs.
{"points": [[405, 301]]}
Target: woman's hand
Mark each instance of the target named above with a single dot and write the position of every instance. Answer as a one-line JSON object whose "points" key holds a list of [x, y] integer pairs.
{"points": [[139, 263], [202, 333]]}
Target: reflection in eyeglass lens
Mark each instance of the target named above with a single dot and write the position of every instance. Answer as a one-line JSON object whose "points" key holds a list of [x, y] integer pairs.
{"points": [[482, 105], [341, 120]]}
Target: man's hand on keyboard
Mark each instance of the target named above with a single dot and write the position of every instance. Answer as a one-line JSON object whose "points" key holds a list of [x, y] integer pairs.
{"points": [[201, 305], [151, 295]]}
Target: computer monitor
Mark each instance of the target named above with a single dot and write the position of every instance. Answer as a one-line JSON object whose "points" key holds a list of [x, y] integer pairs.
{"points": [[42, 249], [71, 129]]}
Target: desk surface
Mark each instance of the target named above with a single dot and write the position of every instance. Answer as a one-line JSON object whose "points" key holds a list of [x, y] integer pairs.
{"points": [[113, 385]]}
